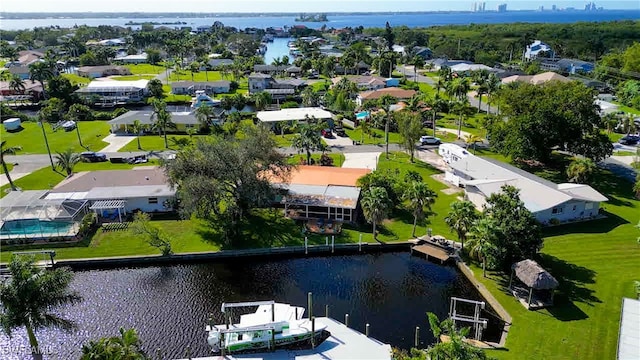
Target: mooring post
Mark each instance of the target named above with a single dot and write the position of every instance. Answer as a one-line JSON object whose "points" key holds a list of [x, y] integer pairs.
{"points": [[188, 353], [273, 340], [313, 332], [306, 245], [360, 243], [366, 330], [273, 312], [159, 354], [297, 313], [211, 320], [222, 345], [326, 311], [326, 240], [333, 243], [310, 304], [346, 320], [417, 339]]}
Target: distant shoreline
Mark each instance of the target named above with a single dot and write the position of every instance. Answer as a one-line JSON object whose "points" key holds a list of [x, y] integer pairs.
{"points": [[145, 15]]}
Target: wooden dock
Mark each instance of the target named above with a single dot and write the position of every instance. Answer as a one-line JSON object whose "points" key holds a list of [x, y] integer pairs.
{"points": [[344, 343], [432, 251]]}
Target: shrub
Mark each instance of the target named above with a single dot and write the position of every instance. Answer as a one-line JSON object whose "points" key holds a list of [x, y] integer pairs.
{"points": [[326, 160]]}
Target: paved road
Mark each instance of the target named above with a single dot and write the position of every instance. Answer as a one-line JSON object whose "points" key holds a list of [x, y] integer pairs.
{"points": [[410, 73], [473, 101], [164, 75]]}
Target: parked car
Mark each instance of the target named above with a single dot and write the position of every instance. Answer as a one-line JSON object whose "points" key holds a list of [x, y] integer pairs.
{"points": [[90, 156], [327, 134], [629, 140], [430, 140]]}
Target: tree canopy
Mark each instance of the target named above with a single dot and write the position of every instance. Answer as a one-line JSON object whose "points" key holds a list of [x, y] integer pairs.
{"points": [[222, 179], [551, 116]]}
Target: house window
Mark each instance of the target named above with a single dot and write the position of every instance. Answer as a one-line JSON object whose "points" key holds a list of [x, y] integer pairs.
{"points": [[153, 200], [574, 208], [588, 206], [557, 210]]}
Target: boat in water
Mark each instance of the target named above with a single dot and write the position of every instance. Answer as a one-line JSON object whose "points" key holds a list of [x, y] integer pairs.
{"points": [[202, 98], [272, 326]]}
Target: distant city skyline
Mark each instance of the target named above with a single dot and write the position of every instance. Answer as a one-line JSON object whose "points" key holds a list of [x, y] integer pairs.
{"points": [[271, 6]]}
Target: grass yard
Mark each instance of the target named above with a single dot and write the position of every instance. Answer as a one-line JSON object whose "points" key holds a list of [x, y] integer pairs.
{"points": [[32, 141], [596, 264], [46, 178], [338, 158], [472, 124], [627, 109], [185, 75], [375, 138], [132, 77], [145, 69], [77, 79], [284, 141], [154, 142]]}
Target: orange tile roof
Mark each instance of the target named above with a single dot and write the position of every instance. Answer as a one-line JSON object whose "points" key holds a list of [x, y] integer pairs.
{"points": [[393, 91], [326, 175]]}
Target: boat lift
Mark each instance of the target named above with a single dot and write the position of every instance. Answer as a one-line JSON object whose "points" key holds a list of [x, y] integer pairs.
{"points": [[479, 323]]}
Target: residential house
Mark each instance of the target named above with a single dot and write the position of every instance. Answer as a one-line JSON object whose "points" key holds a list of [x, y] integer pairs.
{"points": [[439, 63], [115, 92], [293, 114], [278, 88], [32, 89], [423, 52], [398, 93], [536, 79], [209, 87], [21, 71], [319, 192], [270, 69], [132, 59], [365, 82], [549, 202], [217, 64], [93, 72], [468, 68], [360, 68], [143, 189], [538, 48], [28, 57], [570, 66], [293, 71], [182, 120]]}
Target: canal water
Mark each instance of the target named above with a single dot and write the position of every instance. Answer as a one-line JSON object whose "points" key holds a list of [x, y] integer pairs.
{"points": [[277, 49], [169, 305]]}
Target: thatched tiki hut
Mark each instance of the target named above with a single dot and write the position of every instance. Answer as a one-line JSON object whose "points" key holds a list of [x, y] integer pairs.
{"points": [[535, 278]]}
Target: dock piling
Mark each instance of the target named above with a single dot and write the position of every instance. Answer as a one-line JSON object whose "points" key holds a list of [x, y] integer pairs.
{"points": [[188, 353], [417, 339], [326, 311], [159, 352], [313, 332], [360, 243], [273, 312], [333, 243], [326, 240], [306, 245], [310, 304], [346, 320], [366, 330]]}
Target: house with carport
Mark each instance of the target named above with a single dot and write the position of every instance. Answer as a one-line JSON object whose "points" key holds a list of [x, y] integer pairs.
{"points": [[549, 202]]}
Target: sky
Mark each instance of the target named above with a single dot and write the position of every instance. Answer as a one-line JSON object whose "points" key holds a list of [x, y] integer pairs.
{"points": [[266, 6]]}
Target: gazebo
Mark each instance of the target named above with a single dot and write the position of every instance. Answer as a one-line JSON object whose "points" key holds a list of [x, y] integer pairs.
{"points": [[534, 277]]}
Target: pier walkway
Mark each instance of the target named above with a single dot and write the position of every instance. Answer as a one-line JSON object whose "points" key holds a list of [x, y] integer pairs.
{"points": [[344, 343]]}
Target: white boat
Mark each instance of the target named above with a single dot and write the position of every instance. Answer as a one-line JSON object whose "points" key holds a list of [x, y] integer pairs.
{"points": [[272, 325], [202, 98]]}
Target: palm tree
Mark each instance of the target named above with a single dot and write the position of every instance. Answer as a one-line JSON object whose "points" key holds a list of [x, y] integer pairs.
{"points": [[263, 99], [162, 119], [385, 102], [417, 62], [310, 98], [420, 198], [67, 160], [482, 239], [456, 347], [458, 88], [493, 86], [481, 78], [472, 140], [375, 206], [4, 150], [16, 85], [204, 114], [29, 295], [461, 218], [580, 170], [460, 107], [308, 140], [610, 120], [40, 72], [136, 127], [126, 346]]}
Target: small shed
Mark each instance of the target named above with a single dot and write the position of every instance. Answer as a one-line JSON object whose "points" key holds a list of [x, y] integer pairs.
{"points": [[12, 124], [534, 277]]}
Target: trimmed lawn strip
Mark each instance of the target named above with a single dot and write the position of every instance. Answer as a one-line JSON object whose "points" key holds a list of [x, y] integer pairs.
{"points": [[132, 77], [77, 79], [147, 69], [154, 142], [338, 158], [32, 141], [376, 138], [200, 76]]}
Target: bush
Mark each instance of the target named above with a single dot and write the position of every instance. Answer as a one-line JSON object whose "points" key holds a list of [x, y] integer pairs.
{"points": [[554, 221], [87, 223], [289, 105], [326, 160]]}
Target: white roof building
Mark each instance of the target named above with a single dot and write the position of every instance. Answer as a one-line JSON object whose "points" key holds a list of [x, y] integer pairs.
{"points": [[629, 336], [547, 200], [293, 114], [471, 67]]}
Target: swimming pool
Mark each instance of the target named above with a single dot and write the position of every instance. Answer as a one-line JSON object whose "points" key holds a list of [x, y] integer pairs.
{"points": [[36, 228], [362, 115]]}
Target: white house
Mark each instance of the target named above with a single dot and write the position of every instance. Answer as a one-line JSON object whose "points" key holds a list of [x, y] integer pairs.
{"points": [[132, 59], [549, 202], [209, 87], [451, 152], [115, 91], [537, 48]]}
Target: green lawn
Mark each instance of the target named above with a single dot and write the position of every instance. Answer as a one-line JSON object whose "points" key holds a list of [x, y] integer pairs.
{"points": [[145, 69], [338, 158], [32, 141], [285, 140], [133, 77], [153, 142], [185, 75], [472, 124], [627, 109], [376, 138], [76, 79], [46, 178]]}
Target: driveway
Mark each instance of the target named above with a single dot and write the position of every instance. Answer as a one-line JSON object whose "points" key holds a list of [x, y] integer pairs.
{"points": [[116, 142], [338, 141], [409, 72], [368, 160]]}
